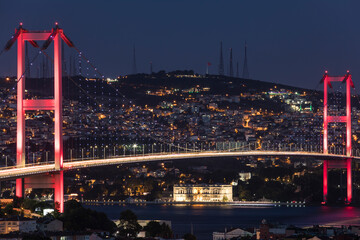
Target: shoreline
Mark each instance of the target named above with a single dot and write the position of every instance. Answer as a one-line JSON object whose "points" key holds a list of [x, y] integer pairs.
{"points": [[234, 203]]}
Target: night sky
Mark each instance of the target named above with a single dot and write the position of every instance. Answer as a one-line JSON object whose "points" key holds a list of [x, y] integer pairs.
{"points": [[290, 42]]}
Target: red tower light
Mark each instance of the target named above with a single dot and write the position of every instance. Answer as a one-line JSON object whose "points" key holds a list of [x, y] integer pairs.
{"points": [[22, 35]]}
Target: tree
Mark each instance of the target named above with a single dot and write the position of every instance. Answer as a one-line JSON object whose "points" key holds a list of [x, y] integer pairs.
{"points": [[189, 236], [155, 229], [30, 236], [9, 209], [29, 204], [17, 202], [166, 231], [78, 218], [244, 193], [128, 226]]}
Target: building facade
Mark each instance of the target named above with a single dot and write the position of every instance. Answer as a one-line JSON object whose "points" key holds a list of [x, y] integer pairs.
{"points": [[17, 224], [203, 193], [234, 233], [50, 225]]}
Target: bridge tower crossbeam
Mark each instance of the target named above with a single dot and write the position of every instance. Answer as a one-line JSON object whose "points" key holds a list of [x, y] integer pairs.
{"points": [[344, 119]]}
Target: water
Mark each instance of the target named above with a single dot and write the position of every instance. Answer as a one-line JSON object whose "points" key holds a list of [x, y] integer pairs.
{"points": [[206, 219]]}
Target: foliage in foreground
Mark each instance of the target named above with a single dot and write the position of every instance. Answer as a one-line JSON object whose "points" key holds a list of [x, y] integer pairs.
{"points": [[78, 218], [128, 226]]}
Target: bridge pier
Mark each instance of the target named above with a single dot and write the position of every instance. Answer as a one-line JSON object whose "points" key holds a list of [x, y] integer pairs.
{"points": [[349, 180], [59, 191], [19, 187], [54, 181], [325, 180], [338, 164]]}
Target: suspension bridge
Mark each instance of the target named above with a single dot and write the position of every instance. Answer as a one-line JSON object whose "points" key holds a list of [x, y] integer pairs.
{"points": [[49, 174]]}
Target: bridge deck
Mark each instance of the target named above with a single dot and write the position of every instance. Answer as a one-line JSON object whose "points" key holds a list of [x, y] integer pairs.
{"points": [[33, 169]]}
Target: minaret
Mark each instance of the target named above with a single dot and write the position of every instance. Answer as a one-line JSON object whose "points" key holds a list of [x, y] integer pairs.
{"points": [[134, 62], [47, 68], [231, 70], [27, 59], [70, 66], [221, 62], [245, 69], [237, 69], [74, 66]]}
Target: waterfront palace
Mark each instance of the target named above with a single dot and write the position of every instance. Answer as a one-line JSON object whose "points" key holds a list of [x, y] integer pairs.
{"points": [[203, 193]]}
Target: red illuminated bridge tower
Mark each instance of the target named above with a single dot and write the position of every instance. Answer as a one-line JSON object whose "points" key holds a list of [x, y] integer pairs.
{"points": [[53, 180], [344, 119]]}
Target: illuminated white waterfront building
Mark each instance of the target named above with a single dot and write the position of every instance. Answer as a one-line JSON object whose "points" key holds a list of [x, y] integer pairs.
{"points": [[203, 193]]}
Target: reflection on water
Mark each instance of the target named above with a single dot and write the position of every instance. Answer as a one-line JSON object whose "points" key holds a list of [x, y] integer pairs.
{"points": [[206, 219]]}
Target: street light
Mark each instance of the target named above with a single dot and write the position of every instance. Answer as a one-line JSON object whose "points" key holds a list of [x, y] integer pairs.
{"points": [[134, 146], [93, 148], [104, 151]]}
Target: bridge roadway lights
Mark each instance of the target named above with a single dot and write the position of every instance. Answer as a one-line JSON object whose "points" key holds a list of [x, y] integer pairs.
{"points": [[8, 173], [55, 104], [326, 80]]}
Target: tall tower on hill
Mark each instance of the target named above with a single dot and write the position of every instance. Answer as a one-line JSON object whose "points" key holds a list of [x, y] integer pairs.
{"points": [[134, 70], [70, 66], [231, 70], [74, 66], [237, 69], [245, 69], [221, 61], [47, 68]]}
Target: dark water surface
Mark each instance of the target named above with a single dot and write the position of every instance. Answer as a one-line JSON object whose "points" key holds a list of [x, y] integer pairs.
{"points": [[205, 219]]}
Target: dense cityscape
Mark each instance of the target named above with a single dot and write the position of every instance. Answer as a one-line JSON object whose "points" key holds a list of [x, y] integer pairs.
{"points": [[186, 110]]}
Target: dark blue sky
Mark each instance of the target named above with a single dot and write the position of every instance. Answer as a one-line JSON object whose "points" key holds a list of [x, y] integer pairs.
{"points": [[290, 42]]}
